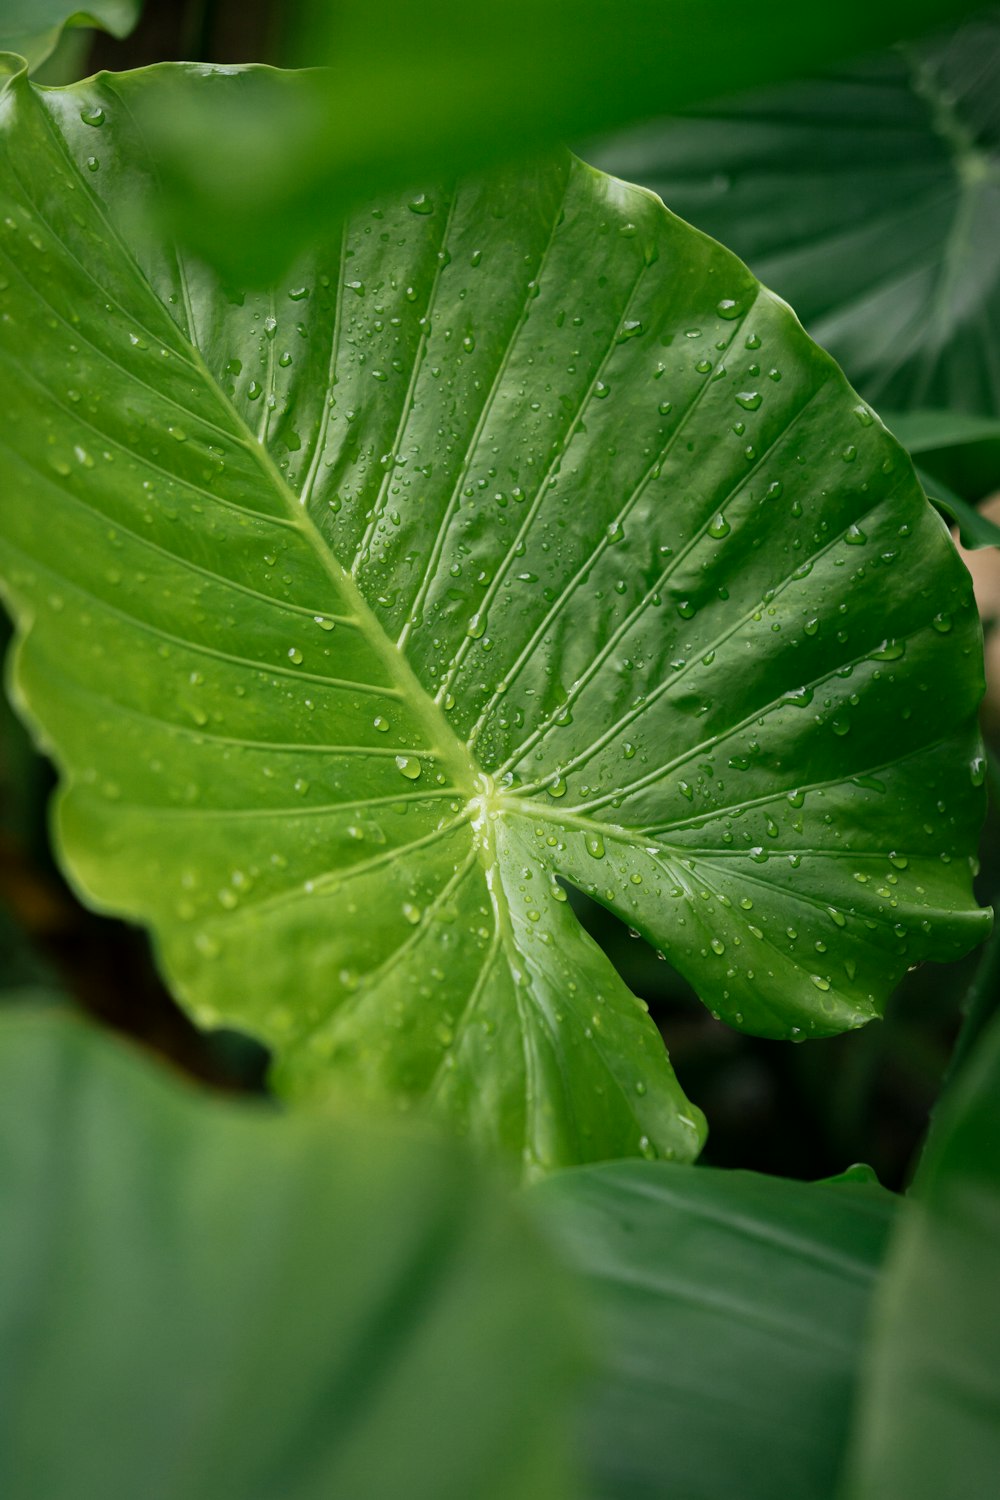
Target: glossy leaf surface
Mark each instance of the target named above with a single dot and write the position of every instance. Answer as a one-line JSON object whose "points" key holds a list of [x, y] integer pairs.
{"points": [[518, 537], [731, 1310], [870, 198], [32, 28], [199, 1298], [928, 1423], [410, 93]]}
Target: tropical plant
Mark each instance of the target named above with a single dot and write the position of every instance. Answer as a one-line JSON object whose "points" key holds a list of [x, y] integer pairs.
{"points": [[418, 541]]}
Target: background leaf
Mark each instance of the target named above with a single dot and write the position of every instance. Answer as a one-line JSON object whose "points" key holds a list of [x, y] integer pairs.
{"points": [[928, 1423], [199, 1298], [370, 608], [731, 1311], [32, 28], [870, 198], [412, 93]]}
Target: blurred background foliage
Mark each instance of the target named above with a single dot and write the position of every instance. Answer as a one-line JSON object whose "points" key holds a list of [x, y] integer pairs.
{"points": [[799, 1111]]}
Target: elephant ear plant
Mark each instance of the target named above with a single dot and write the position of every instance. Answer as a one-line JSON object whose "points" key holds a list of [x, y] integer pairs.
{"points": [[516, 539], [405, 545]]}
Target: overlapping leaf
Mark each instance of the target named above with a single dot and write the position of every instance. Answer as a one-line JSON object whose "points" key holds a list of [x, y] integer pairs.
{"points": [[870, 198], [414, 92], [199, 1298], [928, 1418], [731, 1309], [518, 537], [32, 28]]}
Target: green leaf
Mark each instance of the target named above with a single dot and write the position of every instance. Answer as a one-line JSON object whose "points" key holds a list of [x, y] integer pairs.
{"points": [[731, 1310], [975, 529], [870, 198], [32, 28], [928, 1422], [361, 613], [413, 92], [930, 431], [199, 1298]]}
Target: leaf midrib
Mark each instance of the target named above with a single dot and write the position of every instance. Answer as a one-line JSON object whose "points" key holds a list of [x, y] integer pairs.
{"points": [[443, 743]]}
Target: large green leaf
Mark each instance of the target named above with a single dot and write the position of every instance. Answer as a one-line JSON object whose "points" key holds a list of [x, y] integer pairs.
{"points": [[929, 1416], [518, 537], [32, 28], [412, 92], [870, 198], [731, 1310], [202, 1299]]}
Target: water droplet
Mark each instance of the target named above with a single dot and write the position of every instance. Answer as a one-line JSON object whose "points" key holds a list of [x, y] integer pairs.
{"points": [[899, 860], [749, 400], [409, 766], [92, 164], [381, 724], [820, 982], [421, 204], [942, 624], [854, 536], [717, 946], [728, 308], [595, 845], [92, 115], [412, 913], [295, 655], [630, 329], [719, 527]]}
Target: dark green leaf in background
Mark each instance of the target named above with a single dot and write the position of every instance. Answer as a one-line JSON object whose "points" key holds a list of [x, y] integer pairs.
{"points": [[975, 529], [414, 92], [730, 1309], [516, 537], [32, 28], [870, 198], [957, 459], [200, 1299], [928, 1421]]}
